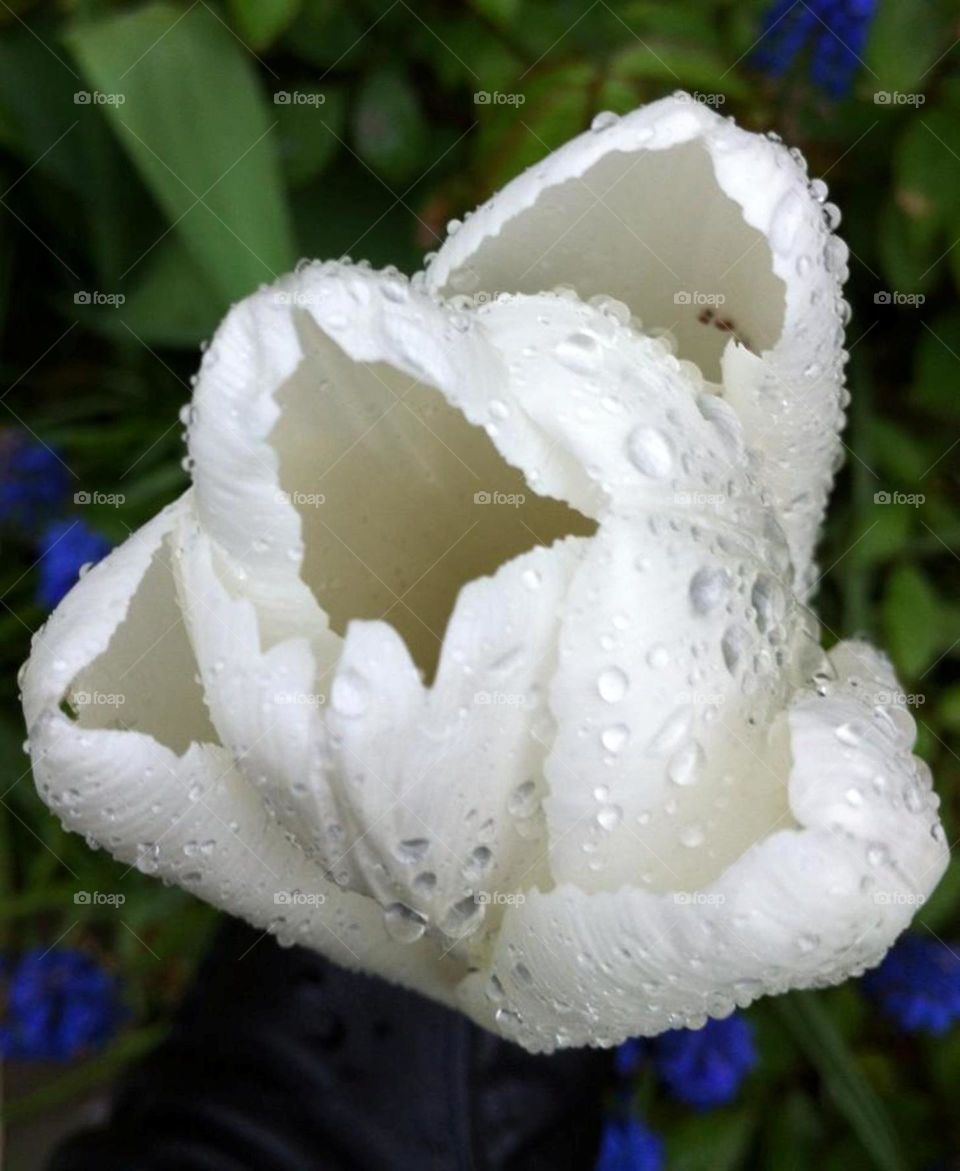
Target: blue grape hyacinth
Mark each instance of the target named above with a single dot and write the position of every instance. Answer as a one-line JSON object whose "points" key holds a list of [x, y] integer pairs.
{"points": [[59, 1003], [33, 479], [834, 30], [629, 1145], [65, 546], [918, 984], [705, 1067]]}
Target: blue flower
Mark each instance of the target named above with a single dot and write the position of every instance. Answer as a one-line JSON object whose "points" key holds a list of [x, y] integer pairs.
{"points": [[835, 30], [704, 1067], [629, 1055], [918, 984], [628, 1145], [59, 1003], [33, 479], [64, 547]]}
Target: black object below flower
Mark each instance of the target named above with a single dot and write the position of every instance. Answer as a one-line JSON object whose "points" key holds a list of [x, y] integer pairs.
{"points": [[280, 1061]]}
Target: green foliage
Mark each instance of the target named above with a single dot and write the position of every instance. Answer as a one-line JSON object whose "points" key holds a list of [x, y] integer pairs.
{"points": [[223, 140]]}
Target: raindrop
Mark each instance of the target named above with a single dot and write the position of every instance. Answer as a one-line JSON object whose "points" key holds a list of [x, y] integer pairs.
{"points": [[650, 452], [708, 589], [580, 352], [403, 924], [608, 818], [604, 120], [523, 800], [615, 737], [612, 685], [348, 696], [734, 642], [685, 764]]}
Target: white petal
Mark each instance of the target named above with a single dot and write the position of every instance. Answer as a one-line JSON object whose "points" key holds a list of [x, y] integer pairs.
{"points": [[444, 784], [338, 449], [804, 907], [665, 209], [137, 769]]}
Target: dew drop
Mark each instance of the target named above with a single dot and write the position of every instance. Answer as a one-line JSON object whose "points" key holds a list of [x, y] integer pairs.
{"points": [[612, 685], [650, 452], [708, 589], [615, 737], [403, 924]]}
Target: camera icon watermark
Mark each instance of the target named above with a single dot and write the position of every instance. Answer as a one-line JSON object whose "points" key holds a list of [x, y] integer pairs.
{"points": [[79, 699], [109, 499], [898, 898], [913, 499], [886, 97], [499, 898], [695, 297], [298, 97], [299, 898], [95, 297], [501, 698], [86, 97], [484, 97], [512, 499], [98, 898], [698, 898], [893, 297]]}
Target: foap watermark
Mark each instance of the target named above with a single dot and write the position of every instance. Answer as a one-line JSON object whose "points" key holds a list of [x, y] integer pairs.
{"points": [[302, 499], [698, 898], [898, 898], [694, 499], [696, 297], [299, 898], [887, 97], [895, 297], [106, 499], [298, 97], [96, 297], [300, 699], [513, 499], [499, 898], [296, 298], [98, 898], [899, 699], [484, 97], [80, 699], [87, 97], [914, 499], [502, 698], [704, 99]]}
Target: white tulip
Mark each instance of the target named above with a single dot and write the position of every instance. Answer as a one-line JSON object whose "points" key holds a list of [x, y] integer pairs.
{"points": [[478, 655]]}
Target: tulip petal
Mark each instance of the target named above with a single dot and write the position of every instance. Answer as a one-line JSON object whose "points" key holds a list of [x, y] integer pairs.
{"points": [[711, 232], [340, 456], [803, 907], [145, 777]]}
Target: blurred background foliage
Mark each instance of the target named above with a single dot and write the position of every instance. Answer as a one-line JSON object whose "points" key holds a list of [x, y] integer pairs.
{"points": [[205, 182]]}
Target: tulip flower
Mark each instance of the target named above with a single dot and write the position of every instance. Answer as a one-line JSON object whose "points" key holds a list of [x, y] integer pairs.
{"points": [[479, 654]]}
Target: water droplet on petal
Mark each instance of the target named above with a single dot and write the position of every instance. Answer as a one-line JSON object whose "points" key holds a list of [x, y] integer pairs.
{"points": [[403, 923], [612, 685], [650, 452]]}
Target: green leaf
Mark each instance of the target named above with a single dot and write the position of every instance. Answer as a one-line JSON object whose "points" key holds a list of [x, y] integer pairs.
{"points": [[388, 126], [912, 620], [171, 302], [260, 22], [937, 366], [906, 38], [197, 128], [710, 1142], [813, 1029], [309, 127]]}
